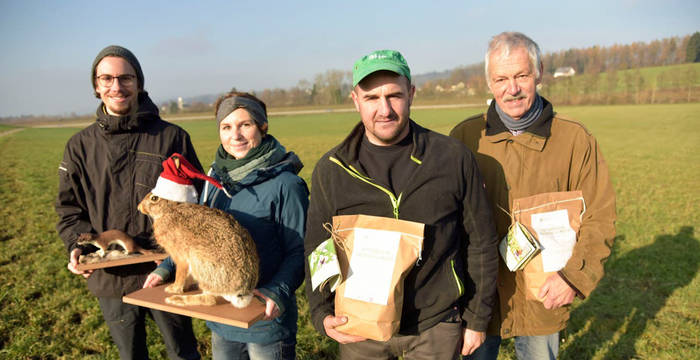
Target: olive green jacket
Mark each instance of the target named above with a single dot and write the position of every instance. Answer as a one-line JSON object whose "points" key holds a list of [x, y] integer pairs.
{"points": [[554, 154]]}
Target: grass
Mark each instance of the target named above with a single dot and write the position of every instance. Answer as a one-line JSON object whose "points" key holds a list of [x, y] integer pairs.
{"points": [[645, 308], [658, 77], [4, 127], [651, 74], [674, 75]]}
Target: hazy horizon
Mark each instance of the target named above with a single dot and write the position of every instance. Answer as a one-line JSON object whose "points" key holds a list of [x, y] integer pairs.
{"points": [[191, 49]]}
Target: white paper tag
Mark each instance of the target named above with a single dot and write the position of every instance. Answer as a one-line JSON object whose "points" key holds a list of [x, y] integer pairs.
{"points": [[517, 247], [372, 265], [556, 237], [324, 266]]}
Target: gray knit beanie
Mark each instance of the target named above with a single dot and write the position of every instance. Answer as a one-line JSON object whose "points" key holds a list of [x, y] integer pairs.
{"points": [[116, 50]]}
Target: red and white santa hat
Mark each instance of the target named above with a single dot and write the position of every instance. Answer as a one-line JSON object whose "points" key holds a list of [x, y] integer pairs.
{"points": [[175, 182]]}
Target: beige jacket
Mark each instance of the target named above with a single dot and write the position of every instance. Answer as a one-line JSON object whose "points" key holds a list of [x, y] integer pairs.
{"points": [[554, 154]]}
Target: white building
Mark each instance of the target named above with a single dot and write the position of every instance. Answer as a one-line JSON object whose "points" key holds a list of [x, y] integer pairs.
{"points": [[180, 103], [564, 71]]}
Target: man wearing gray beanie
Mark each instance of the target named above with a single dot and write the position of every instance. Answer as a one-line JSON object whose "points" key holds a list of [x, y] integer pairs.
{"points": [[107, 169]]}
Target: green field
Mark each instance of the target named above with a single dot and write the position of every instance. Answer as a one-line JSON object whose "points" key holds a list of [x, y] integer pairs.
{"points": [[4, 127], [647, 306], [674, 75]]}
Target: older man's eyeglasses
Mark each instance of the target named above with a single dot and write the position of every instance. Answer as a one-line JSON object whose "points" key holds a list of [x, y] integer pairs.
{"points": [[108, 80]]}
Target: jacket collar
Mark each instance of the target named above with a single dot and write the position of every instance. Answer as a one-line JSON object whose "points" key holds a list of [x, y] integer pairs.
{"points": [[349, 149], [146, 110], [533, 137]]}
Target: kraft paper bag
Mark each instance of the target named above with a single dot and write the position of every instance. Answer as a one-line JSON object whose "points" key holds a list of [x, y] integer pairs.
{"points": [[555, 219], [375, 255]]}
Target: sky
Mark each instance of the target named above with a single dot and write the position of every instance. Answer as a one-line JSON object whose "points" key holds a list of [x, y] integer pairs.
{"points": [[190, 48]]}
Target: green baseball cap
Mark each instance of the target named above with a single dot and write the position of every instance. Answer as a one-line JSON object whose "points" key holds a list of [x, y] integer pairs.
{"points": [[390, 60]]}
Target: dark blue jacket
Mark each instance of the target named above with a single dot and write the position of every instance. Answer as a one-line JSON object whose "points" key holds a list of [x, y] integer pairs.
{"points": [[271, 203]]}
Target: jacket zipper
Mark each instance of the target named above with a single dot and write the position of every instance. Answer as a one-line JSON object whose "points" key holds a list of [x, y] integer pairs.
{"points": [[356, 174], [460, 286]]}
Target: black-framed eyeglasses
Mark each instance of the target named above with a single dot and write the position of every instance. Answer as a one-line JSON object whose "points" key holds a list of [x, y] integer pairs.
{"points": [[108, 80]]}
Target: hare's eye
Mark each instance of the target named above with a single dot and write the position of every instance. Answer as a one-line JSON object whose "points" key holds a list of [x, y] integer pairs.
{"points": [[154, 197]]}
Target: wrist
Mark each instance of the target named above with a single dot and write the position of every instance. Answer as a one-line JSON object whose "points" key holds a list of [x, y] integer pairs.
{"points": [[163, 273]]}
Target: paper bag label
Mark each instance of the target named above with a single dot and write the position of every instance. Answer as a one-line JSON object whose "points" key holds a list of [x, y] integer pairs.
{"points": [[556, 237], [372, 265]]}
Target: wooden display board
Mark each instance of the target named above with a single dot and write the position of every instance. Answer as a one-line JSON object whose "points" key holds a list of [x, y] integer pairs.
{"points": [[223, 312], [131, 259]]}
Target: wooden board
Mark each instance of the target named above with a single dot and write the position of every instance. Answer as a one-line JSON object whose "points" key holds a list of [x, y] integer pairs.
{"points": [[223, 312], [124, 261]]}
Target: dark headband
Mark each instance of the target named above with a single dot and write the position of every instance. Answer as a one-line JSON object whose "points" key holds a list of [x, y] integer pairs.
{"points": [[235, 102]]}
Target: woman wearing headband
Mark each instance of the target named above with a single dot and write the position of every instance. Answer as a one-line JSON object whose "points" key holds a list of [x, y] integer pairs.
{"points": [[262, 191]]}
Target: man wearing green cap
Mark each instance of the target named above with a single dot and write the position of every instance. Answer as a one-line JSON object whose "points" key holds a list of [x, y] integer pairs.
{"points": [[107, 169], [390, 166]]}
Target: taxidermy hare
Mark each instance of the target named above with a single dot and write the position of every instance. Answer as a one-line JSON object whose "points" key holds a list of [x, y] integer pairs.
{"points": [[208, 244], [105, 239]]}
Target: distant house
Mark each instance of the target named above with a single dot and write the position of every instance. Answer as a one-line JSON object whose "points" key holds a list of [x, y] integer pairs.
{"points": [[564, 71], [457, 87]]}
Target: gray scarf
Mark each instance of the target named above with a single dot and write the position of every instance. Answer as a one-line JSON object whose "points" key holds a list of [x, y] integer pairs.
{"points": [[231, 171], [526, 120]]}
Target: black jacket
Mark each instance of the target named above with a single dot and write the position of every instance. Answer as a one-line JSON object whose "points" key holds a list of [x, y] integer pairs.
{"points": [[107, 169], [459, 260]]}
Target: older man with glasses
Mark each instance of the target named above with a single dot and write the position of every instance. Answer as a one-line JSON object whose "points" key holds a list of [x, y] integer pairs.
{"points": [[107, 169]]}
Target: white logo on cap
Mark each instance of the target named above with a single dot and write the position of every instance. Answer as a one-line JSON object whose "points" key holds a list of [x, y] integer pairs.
{"points": [[377, 56]]}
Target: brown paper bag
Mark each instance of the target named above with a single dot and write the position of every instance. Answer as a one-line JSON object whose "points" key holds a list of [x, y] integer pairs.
{"points": [[375, 254], [523, 209]]}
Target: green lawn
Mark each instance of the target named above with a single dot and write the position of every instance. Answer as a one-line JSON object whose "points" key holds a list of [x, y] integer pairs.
{"points": [[4, 127], [674, 73], [645, 308]]}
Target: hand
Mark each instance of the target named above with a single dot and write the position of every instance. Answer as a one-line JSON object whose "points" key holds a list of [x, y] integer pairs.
{"points": [[472, 341], [152, 280], [74, 256], [330, 322], [271, 309], [556, 293]]}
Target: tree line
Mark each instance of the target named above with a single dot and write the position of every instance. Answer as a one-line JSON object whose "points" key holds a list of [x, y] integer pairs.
{"points": [[654, 72], [617, 74], [604, 75]]}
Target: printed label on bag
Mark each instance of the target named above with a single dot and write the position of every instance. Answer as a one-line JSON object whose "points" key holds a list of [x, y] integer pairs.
{"points": [[372, 265], [556, 237]]}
